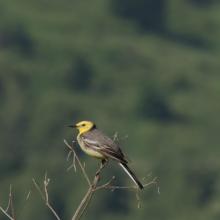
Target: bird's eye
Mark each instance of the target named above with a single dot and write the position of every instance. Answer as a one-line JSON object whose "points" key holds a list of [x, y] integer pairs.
{"points": [[83, 124]]}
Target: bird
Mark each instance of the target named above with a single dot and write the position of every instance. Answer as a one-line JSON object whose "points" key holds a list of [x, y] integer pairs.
{"points": [[96, 144]]}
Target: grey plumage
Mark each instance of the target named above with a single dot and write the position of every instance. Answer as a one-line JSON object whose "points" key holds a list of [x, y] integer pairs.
{"points": [[98, 141]]}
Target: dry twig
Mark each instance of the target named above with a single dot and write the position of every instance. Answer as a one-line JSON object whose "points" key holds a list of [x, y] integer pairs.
{"points": [[45, 196], [88, 196], [6, 214], [10, 206], [76, 158]]}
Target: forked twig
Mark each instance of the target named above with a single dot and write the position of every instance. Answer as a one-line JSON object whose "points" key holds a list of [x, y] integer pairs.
{"points": [[5, 213], [113, 187], [44, 195], [10, 206], [76, 158]]}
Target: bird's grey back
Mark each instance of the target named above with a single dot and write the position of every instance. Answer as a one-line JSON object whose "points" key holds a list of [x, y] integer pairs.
{"points": [[104, 140]]}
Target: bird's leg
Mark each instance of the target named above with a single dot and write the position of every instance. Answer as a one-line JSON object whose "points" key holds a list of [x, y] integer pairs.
{"points": [[102, 165]]}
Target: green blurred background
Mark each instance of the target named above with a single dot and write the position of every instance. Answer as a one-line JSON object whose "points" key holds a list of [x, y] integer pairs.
{"points": [[147, 69]]}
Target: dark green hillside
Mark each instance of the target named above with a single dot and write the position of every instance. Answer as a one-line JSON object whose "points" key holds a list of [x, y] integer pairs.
{"points": [[148, 70]]}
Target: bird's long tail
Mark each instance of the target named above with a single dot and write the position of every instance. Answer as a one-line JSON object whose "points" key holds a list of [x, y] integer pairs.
{"points": [[131, 175]]}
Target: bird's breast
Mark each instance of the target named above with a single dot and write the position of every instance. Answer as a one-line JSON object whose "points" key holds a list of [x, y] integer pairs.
{"points": [[88, 150]]}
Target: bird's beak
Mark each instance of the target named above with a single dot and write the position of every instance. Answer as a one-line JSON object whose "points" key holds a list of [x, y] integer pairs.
{"points": [[71, 126]]}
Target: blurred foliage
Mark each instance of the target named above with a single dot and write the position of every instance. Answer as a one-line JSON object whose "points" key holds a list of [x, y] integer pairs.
{"points": [[148, 14], [146, 69], [80, 75]]}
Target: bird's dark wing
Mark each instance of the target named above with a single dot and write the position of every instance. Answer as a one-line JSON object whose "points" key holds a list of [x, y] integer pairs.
{"points": [[96, 140]]}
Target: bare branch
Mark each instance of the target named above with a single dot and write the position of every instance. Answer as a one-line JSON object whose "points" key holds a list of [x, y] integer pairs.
{"points": [[76, 158], [11, 202], [117, 139], [9, 206], [88, 196], [138, 199], [115, 136], [105, 186], [38, 189], [83, 205], [45, 196], [112, 187], [28, 195], [9, 199], [5, 213]]}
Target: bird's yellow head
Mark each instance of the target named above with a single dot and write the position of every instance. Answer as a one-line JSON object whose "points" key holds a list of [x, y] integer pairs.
{"points": [[83, 126]]}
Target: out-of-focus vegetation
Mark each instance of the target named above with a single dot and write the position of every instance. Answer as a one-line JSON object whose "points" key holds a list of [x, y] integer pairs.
{"points": [[146, 69]]}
